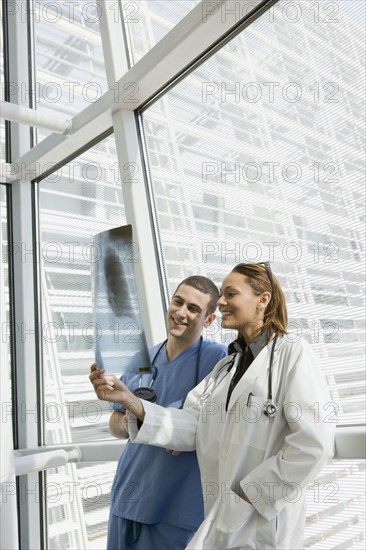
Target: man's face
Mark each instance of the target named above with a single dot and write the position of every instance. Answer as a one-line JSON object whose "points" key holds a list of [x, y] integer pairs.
{"points": [[187, 313]]}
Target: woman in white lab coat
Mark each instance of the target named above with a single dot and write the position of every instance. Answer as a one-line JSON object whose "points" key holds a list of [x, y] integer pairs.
{"points": [[261, 433]]}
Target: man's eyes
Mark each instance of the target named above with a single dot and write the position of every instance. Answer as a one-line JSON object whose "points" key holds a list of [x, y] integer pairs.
{"points": [[192, 309]]}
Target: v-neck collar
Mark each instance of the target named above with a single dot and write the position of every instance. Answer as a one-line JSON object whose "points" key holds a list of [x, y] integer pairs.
{"points": [[256, 347], [193, 347]]}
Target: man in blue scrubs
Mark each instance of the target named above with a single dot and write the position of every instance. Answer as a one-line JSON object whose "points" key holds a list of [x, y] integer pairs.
{"points": [[156, 500]]}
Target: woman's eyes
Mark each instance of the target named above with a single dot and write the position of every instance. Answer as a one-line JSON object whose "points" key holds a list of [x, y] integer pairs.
{"points": [[227, 295]]}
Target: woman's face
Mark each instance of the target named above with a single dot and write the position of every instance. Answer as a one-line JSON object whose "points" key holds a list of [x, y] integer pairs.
{"points": [[240, 308]]}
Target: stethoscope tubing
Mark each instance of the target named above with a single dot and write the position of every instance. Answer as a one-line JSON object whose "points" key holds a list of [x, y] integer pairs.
{"points": [[155, 370], [269, 396], [270, 408]]}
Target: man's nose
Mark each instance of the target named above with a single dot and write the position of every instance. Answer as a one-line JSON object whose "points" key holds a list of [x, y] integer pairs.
{"points": [[182, 311]]}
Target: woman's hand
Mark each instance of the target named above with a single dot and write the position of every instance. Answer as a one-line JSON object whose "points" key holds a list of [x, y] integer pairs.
{"points": [[241, 493], [109, 388], [171, 452]]}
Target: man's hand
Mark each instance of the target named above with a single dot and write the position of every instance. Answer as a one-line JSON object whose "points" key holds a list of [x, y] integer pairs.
{"points": [[109, 388]]}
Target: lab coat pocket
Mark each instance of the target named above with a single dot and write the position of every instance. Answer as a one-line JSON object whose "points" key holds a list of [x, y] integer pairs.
{"points": [[230, 524], [256, 426], [236, 522], [233, 510]]}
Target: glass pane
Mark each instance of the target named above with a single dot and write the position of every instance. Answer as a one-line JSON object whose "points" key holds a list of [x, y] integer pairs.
{"points": [[258, 155], [70, 69], [4, 298], [81, 199], [146, 22], [336, 507], [4, 292], [253, 157], [78, 500]]}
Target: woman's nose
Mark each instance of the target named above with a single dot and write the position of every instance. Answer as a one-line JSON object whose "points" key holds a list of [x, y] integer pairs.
{"points": [[221, 301]]}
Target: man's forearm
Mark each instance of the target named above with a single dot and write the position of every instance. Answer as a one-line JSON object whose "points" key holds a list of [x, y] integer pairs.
{"points": [[118, 425]]}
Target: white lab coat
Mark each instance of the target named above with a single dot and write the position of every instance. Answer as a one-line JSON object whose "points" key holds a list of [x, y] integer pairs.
{"points": [[241, 450]]}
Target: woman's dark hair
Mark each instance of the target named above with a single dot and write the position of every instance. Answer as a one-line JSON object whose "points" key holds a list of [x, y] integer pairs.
{"points": [[204, 285], [262, 280]]}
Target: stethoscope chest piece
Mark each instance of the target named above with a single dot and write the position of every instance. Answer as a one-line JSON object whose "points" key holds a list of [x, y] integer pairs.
{"points": [[148, 394], [270, 410], [145, 393]]}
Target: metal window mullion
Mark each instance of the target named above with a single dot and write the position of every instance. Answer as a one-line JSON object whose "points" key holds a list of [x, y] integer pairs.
{"points": [[24, 294], [8, 506], [138, 215], [133, 183]]}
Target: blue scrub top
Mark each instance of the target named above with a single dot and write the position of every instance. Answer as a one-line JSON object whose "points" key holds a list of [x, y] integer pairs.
{"points": [[151, 486]]}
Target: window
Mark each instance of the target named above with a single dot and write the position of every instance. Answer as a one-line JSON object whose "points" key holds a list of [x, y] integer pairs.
{"points": [[264, 126], [81, 199], [70, 70], [147, 22], [255, 154], [302, 245]]}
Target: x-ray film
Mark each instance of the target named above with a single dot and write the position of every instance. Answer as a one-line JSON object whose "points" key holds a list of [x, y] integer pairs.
{"points": [[120, 342]]}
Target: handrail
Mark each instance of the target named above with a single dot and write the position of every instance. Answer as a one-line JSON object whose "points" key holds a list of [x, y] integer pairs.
{"points": [[349, 445], [42, 458]]}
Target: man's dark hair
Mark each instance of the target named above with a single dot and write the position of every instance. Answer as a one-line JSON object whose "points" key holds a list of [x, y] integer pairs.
{"points": [[204, 285]]}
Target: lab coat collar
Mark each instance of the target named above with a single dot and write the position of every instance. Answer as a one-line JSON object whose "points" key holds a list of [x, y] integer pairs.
{"points": [[256, 347], [254, 369]]}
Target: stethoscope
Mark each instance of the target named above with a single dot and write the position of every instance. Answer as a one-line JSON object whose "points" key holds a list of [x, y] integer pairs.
{"points": [[147, 392], [269, 408]]}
